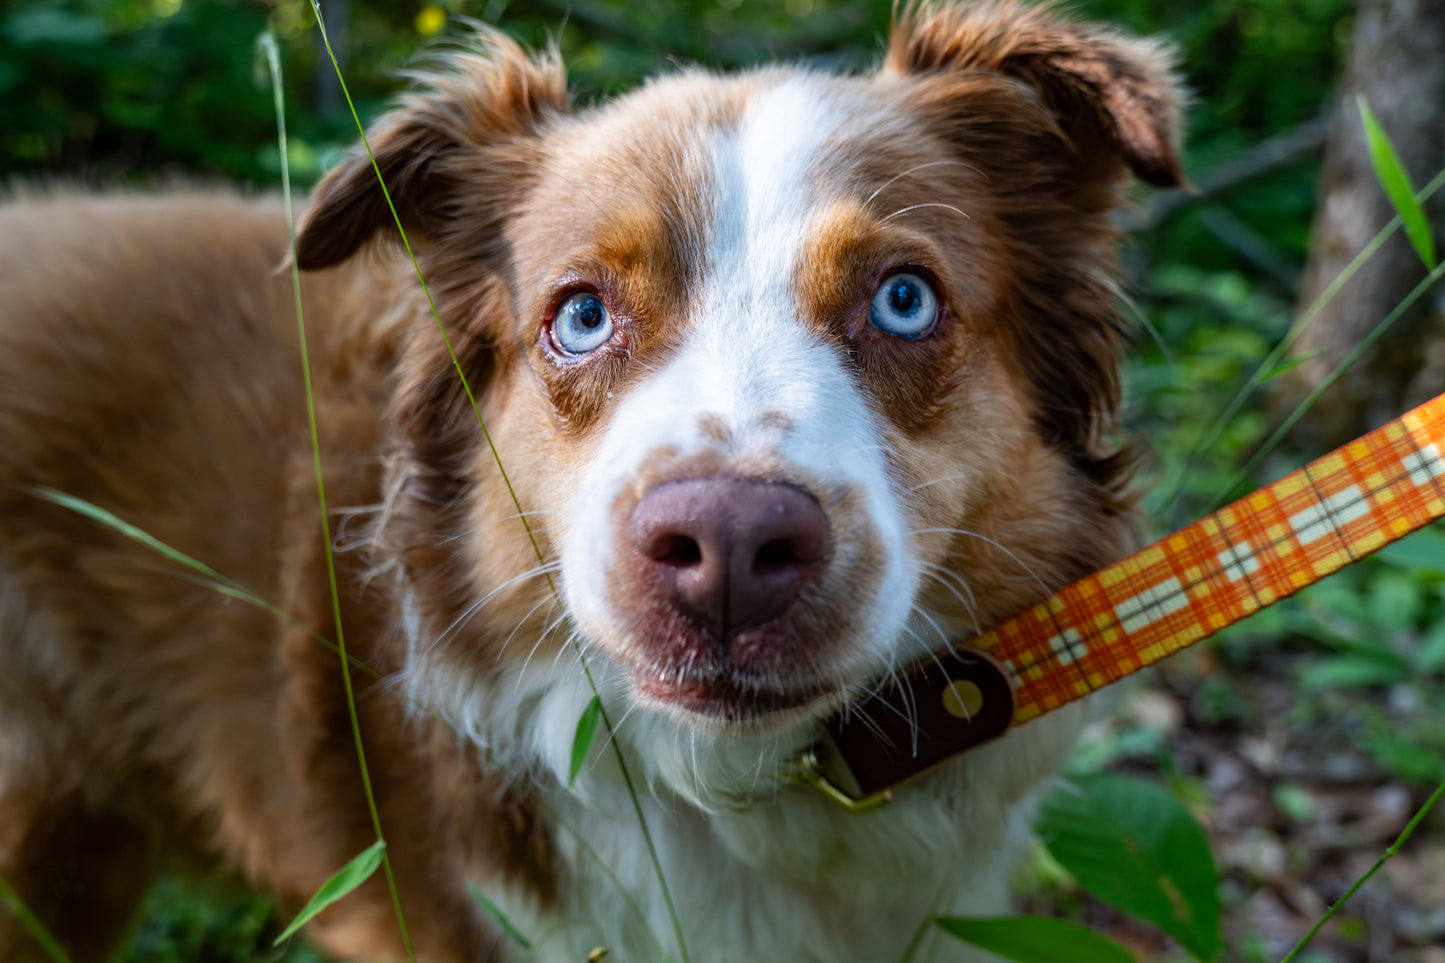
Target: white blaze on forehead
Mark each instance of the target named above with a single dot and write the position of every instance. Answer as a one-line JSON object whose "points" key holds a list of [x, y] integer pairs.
{"points": [[747, 338], [763, 188]]}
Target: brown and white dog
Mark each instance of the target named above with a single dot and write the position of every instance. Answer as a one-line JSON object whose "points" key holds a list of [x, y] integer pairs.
{"points": [[796, 377]]}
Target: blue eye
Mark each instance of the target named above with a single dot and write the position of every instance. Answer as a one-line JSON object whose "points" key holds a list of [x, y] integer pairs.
{"points": [[904, 306], [581, 324]]}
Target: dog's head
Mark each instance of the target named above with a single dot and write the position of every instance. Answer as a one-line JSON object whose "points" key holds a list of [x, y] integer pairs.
{"points": [[796, 376]]}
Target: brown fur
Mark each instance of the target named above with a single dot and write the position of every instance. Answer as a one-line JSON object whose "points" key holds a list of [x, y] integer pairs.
{"points": [[148, 364]]}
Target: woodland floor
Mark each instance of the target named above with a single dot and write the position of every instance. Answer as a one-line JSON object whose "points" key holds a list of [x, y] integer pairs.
{"points": [[1295, 815]]}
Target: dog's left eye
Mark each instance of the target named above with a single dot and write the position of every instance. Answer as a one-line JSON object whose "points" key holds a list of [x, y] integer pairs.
{"points": [[904, 306], [582, 324]]}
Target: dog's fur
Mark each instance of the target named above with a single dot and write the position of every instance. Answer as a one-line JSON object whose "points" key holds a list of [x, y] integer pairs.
{"points": [[736, 228]]}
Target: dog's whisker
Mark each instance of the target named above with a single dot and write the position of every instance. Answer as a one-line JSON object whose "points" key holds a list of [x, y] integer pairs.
{"points": [[913, 170], [916, 207], [470, 612], [1013, 556]]}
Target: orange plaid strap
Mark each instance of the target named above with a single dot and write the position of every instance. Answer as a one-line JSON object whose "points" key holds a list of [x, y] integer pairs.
{"points": [[1183, 588], [1249, 554]]}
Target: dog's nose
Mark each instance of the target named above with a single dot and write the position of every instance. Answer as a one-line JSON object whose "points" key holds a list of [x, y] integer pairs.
{"points": [[731, 552]]}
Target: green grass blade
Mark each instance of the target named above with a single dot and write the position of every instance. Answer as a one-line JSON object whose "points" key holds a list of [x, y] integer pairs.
{"points": [[501, 918], [212, 579], [1036, 939], [586, 735], [1268, 366], [273, 60], [95, 513], [346, 879], [1392, 177], [1237, 481], [1385, 857], [624, 769], [11, 901]]}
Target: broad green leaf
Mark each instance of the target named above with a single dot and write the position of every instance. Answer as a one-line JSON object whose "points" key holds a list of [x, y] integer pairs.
{"points": [[586, 734], [1424, 551], [1137, 848], [346, 879], [1431, 656], [1396, 182], [1036, 939], [495, 912], [1394, 601], [1352, 671]]}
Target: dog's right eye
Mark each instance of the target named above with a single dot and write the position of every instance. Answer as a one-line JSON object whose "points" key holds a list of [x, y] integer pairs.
{"points": [[581, 324]]}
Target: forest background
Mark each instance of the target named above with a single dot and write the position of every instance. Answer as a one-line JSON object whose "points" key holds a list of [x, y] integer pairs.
{"points": [[1303, 739]]}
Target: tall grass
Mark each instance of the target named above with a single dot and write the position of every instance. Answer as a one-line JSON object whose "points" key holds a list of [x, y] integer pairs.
{"points": [[376, 856]]}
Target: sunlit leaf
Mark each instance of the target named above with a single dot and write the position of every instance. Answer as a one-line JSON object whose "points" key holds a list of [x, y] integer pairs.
{"points": [[346, 879], [1396, 182], [586, 734], [1137, 848], [1036, 939]]}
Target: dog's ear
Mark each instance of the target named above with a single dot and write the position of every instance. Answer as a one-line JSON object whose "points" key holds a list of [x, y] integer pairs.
{"points": [[1054, 114], [443, 152], [1104, 93]]}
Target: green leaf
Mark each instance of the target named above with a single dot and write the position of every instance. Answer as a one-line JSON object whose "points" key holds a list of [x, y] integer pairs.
{"points": [[1396, 182], [1137, 848], [1288, 364], [1036, 939], [346, 879], [1354, 671], [1424, 551], [495, 912], [1394, 601], [1431, 656], [586, 734]]}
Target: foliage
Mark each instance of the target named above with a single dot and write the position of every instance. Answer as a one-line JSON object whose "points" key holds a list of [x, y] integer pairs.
{"points": [[116, 91], [179, 925], [1137, 848]]}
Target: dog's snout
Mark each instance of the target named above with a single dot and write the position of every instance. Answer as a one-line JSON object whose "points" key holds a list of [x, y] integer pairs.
{"points": [[731, 552]]}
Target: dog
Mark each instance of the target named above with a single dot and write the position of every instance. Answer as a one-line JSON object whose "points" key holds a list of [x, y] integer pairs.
{"points": [[794, 377]]}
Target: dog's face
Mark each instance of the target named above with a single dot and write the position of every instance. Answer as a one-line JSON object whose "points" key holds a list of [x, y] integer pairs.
{"points": [[798, 376]]}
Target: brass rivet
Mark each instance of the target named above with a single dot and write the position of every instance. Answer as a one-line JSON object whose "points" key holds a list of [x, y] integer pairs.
{"points": [[962, 699]]}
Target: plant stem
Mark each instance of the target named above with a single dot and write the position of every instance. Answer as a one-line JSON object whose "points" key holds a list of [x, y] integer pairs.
{"points": [[511, 491], [11, 900], [273, 61], [1385, 857]]}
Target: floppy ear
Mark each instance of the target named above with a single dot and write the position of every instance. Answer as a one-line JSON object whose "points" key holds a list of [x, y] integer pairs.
{"points": [[444, 152], [1103, 92], [1055, 114]]}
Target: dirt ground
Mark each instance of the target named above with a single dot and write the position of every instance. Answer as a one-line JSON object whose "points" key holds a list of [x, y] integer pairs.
{"points": [[1294, 812]]}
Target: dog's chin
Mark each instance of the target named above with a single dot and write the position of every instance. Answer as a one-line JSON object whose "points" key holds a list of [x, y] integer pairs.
{"points": [[726, 704]]}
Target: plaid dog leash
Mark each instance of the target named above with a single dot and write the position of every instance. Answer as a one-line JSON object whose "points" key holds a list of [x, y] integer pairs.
{"points": [[1163, 598]]}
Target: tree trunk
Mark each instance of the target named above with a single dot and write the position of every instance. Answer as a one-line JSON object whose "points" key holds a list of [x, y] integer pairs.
{"points": [[1397, 63]]}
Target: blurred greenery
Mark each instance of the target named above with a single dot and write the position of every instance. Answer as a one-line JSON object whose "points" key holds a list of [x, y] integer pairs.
{"points": [[111, 92]]}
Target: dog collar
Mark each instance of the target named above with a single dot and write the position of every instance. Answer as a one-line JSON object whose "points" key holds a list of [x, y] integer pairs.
{"points": [[1163, 598]]}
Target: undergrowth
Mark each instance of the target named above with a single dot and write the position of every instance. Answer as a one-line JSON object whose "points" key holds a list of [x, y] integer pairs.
{"points": [[1216, 338]]}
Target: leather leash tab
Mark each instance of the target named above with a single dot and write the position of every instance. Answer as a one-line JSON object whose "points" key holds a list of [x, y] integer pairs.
{"points": [[946, 704]]}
